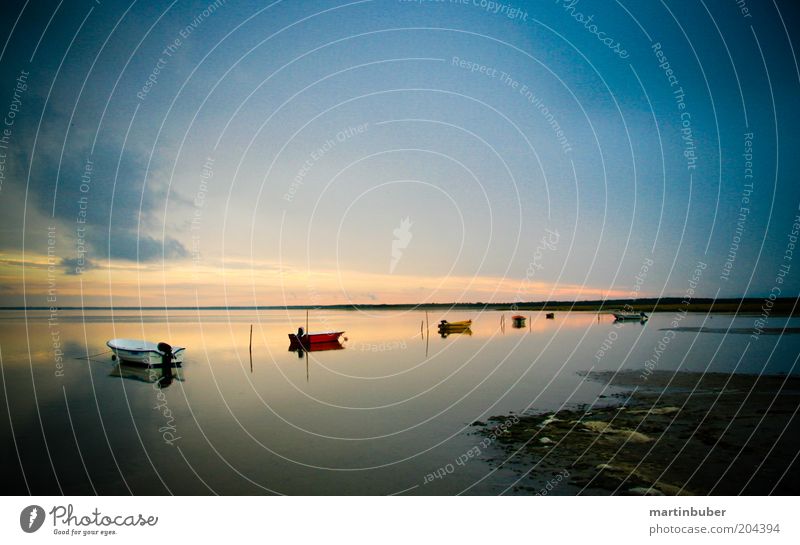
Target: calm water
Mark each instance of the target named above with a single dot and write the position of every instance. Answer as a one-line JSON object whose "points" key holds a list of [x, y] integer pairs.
{"points": [[374, 418]]}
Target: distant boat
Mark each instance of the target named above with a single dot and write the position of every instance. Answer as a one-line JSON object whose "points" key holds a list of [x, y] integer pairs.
{"points": [[518, 321], [144, 352], [450, 328], [550, 315], [444, 324], [626, 317]]}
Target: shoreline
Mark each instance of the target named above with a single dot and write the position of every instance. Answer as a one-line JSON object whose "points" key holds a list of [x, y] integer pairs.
{"points": [[667, 433], [784, 306]]}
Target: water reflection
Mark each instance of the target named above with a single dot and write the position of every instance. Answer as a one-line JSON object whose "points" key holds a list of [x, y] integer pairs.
{"points": [[316, 347], [389, 407], [162, 375], [460, 331]]}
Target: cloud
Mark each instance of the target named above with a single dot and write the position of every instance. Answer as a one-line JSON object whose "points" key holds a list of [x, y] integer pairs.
{"points": [[100, 197], [126, 244], [72, 265]]}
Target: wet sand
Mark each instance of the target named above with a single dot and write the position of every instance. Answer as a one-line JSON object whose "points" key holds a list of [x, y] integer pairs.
{"points": [[663, 434]]}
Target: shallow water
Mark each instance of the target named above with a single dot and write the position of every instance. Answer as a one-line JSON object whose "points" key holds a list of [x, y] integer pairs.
{"points": [[378, 417]]}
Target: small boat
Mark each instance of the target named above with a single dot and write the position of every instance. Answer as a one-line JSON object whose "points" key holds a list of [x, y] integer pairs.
{"points": [[518, 321], [629, 316], [144, 352], [450, 328], [306, 340], [444, 324], [550, 315]]}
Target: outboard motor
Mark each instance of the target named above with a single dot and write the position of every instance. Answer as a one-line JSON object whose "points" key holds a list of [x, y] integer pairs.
{"points": [[300, 332], [166, 363]]}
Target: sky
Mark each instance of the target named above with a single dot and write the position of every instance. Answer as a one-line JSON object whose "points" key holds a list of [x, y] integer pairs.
{"points": [[311, 153]]}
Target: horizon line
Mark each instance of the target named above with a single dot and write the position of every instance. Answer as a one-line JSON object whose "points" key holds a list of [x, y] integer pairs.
{"points": [[600, 302]]}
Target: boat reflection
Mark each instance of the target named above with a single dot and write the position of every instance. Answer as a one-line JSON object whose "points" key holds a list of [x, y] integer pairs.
{"points": [[316, 347], [156, 374], [455, 331], [302, 351]]}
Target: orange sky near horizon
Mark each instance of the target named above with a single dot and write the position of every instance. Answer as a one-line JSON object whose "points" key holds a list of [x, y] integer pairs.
{"points": [[186, 283]]}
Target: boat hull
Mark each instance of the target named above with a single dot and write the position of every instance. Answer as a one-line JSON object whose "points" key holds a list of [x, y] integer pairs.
{"points": [[629, 318], [142, 352], [314, 339], [518, 321], [444, 324]]}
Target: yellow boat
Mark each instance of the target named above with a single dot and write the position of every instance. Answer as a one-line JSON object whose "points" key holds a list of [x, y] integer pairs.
{"points": [[444, 324]]}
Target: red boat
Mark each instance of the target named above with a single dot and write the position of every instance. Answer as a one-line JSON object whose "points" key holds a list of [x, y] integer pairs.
{"points": [[301, 338]]}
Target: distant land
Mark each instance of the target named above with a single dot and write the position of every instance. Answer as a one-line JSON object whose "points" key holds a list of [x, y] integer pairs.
{"points": [[782, 306]]}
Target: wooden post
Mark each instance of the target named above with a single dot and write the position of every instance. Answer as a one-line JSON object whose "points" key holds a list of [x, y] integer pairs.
{"points": [[428, 335], [306, 321], [251, 348]]}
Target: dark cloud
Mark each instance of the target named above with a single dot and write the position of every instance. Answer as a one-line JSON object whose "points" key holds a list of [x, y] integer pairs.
{"points": [[126, 244], [72, 265], [119, 204], [103, 198]]}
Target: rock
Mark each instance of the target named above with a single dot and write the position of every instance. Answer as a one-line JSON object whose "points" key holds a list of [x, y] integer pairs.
{"points": [[597, 426], [549, 420], [642, 491], [546, 441], [478, 423], [659, 410], [633, 436], [605, 428]]}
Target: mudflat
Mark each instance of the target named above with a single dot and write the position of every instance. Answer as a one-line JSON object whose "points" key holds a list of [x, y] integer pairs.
{"points": [[666, 433]]}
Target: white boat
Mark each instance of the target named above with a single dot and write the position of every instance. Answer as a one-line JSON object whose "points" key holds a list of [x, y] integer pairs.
{"points": [[142, 352], [623, 316]]}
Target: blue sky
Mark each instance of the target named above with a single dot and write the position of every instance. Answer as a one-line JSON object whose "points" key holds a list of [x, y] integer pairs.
{"points": [[487, 131]]}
